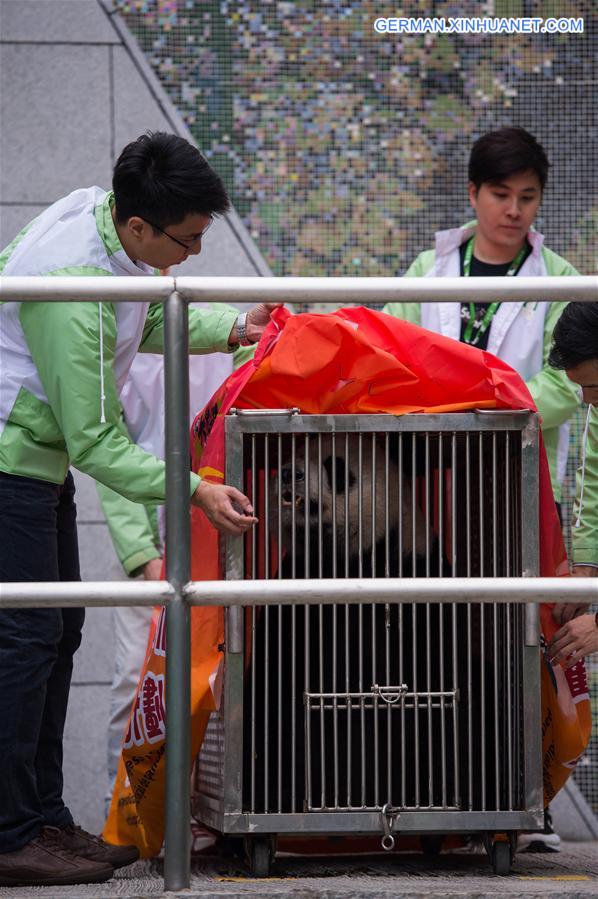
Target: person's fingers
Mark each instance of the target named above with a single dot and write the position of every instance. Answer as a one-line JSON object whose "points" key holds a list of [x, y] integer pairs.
{"points": [[230, 515], [569, 612], [557, 612], [560, 650], [240, 499], [231, 529], [227, 515], [584, 571], [558, 641], [218, 503]]}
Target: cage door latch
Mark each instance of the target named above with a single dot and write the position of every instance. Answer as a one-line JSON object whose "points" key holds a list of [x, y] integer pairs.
{"points": [[390, 695], [390, 818]]}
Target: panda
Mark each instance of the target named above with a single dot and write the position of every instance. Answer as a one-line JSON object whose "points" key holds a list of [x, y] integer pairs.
{"points": [[347, 510], [340, 506]]}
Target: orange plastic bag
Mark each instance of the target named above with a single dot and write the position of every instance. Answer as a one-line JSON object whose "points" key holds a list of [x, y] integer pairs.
{"points": [[566, 715], [351, 361]]}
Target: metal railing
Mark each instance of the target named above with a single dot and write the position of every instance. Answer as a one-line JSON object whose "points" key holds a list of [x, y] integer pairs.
{"points": [[177, 593]]}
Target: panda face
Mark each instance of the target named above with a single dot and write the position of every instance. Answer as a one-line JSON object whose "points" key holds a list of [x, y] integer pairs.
{"points": [[348, 491], [336, 479]]}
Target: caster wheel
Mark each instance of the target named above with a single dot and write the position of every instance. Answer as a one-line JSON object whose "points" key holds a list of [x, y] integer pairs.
{"points": [[231, 847], [431, 845], [260, 854], [501, 858]]}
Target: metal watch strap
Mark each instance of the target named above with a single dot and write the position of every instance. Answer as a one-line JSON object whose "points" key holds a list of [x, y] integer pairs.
{"points": [[242, 329]]}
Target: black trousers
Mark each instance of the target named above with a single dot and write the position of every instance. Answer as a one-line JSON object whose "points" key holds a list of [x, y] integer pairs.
{"points": [[38, 542]]}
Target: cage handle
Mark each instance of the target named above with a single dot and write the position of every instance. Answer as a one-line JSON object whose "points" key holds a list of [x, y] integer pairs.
{"points": [[390, 695], [390, 818]]}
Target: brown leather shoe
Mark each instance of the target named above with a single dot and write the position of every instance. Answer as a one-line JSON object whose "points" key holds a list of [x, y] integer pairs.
{"points": [[87, 845], [45, 862]]}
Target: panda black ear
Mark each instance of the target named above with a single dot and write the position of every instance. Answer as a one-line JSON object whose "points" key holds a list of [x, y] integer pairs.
{"points": [[336, 467]]}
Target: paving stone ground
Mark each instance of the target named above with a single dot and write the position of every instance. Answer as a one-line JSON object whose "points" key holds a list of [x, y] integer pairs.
{"points": [[573, 872]]}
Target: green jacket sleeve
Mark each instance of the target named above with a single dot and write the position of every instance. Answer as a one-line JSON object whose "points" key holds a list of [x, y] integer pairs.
{"points": [[131, 529], [556, 397], [242, 355], [209, 329], [63, 339], [585, 537], [411, 312]]}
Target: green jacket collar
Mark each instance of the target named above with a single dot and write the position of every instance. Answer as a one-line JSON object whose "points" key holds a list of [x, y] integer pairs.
{"points": [[105, 225]]}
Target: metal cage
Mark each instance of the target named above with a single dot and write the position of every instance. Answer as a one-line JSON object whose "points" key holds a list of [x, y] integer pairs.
{"points": [[375, 718]]}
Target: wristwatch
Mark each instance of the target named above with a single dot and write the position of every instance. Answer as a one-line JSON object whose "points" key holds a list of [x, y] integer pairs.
{"points": [[242, 329]]}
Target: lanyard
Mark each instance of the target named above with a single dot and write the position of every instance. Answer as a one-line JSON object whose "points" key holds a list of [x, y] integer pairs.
{"points": [[483, 325]]}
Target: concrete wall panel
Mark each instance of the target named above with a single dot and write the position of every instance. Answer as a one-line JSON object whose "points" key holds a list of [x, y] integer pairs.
{"points": [[85, 765], [89, 508], [94, 660], [56, 128], [135, 110], [55, 21], [97, 557], [13, 218]]}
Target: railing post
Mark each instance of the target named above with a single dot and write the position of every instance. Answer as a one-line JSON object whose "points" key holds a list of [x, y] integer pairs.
{"points": [[177, 863]]}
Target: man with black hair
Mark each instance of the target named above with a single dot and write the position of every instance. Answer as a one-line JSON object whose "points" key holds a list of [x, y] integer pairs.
{"points": [[63, 367], [507, 174], [575, 350]]}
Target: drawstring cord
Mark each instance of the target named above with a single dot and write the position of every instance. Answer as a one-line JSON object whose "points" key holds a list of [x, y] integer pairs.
{"points": [[102, 391], [583, 465]]}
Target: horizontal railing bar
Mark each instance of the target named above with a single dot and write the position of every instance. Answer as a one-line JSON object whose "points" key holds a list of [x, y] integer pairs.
{"points": [[33, 594], [336, 291], [383, 590], [298, 592], [79, 289], [341, 291]]}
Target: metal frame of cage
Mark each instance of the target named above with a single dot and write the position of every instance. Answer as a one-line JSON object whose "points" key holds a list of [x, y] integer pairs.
{"points": [[223, 801]]}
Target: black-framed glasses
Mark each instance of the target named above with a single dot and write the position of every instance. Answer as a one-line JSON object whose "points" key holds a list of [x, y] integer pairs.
{"points": [[181, 243]]}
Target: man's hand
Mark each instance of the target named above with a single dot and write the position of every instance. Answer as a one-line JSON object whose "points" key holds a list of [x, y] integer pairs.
{"points": [[578, 638], [566, 611], [152, 570], [225, 507], [258, 318]]}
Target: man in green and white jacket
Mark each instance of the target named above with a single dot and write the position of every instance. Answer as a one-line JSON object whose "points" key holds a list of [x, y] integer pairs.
{"points": [[63, 367], [507, 171], [507, 174]]}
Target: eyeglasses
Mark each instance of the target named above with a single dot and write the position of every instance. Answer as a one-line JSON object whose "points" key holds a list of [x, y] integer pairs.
{"points": [[181, 243]]}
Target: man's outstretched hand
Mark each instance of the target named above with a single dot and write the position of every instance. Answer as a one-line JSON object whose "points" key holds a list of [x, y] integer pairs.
{"points": [[258, 318], [225, 507]]}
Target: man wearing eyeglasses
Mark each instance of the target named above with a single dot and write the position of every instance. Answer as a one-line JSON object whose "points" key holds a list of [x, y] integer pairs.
{"points": [[63, 368]]}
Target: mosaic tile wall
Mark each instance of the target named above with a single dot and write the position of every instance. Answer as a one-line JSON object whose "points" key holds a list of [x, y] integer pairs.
{"points": [[344, 150]]}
